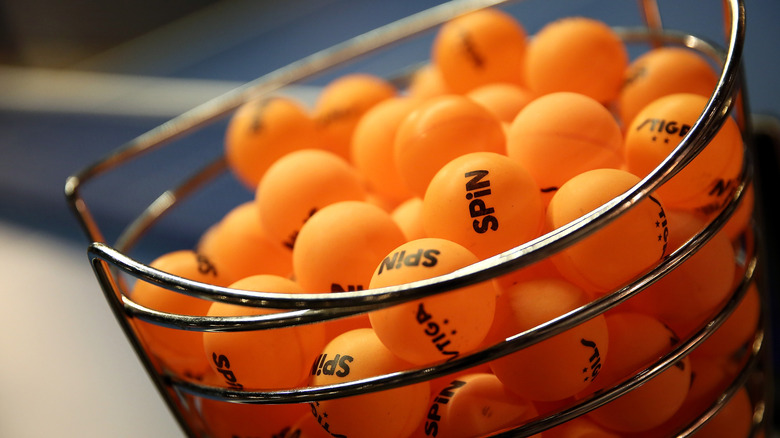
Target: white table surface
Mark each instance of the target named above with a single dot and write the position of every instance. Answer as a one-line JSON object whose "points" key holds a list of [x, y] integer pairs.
{"points": [[67, 369]]}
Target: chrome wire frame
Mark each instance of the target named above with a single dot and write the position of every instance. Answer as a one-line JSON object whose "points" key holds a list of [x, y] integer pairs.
{"points": [[108, 261]]}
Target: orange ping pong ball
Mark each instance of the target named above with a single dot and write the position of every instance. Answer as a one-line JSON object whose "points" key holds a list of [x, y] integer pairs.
{"points": [[225, 419], [340, 106], [385, 203], [560, 135], [473, 405], [560, 366], [336, 327], [502, 99], [359, 354], [739, 221], [443, 385], [478, 48], [709, 378], [339, 247], [306, 427], [659, 127], [373, 144], [436, 328], [738, 329], [179, 351], [426, 82], [542, 269], [696, 287], [299, 184], [485, 201], [735, 419], [621, 250], [579, 427], [242, 358], [241, 247], [663, 71], [636, 341], [576, 54], [261, 131], [408, 216], [439, 130]]}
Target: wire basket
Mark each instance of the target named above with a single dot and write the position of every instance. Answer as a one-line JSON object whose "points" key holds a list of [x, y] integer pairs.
{"points": [[112, 265]]}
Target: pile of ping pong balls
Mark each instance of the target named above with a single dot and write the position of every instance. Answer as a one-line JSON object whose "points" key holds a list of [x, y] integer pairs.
{"points": [[500, 138]]}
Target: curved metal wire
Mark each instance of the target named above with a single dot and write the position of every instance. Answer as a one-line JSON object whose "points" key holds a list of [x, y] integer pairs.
{"points": [[401, 378], [393, 380], [750, 366], [510, 345], [384, 297]]}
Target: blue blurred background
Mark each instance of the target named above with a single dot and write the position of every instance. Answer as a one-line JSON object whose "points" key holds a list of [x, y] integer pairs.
{"points": [[80, 78]]}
